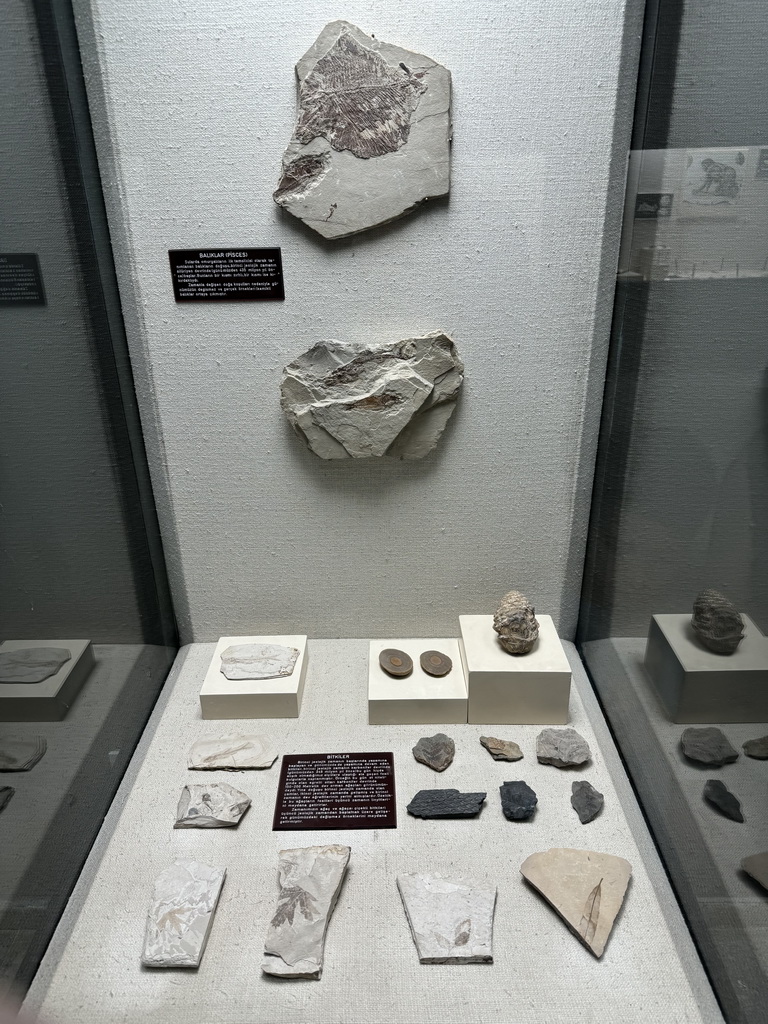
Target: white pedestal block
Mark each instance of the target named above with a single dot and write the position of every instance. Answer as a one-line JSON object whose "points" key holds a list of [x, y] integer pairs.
{"points": [[222, 698], [699, 686], [50, 700], [417, 699], [514, 689]]}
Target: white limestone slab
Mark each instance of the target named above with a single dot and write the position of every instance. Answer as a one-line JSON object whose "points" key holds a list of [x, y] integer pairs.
{"points": [[310, 879], [699, 686], [235, 752], [50, 699], [210, 805], [451, 920], [417, 699], [181, 914], [279, 697], [258, 661], [509, 689]]}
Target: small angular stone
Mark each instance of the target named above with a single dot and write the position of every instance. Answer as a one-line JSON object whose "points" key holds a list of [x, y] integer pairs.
{"points": [[181, 915], [451, 920], [6, 792], [232, 753], [708, 746], [210, 805], [310, 880], [518, 801], [586, 801], [21, 755], [32, 664], [717, 623], [515, 622], [584, 887], [757, 867], [445, 803], [501, 750], [396, 663], [435, 663], [564, 748], [757, 748], [435, 752], [258, 661], [718, 794]]}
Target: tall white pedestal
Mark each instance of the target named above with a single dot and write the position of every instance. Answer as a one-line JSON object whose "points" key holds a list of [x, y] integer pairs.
{"points": [[417, 699], [510, 689], [699, 686], [50, 700], [222, 698]]}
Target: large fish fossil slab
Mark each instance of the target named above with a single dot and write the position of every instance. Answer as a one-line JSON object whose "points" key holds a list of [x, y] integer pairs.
{"points": [[372, 136]]}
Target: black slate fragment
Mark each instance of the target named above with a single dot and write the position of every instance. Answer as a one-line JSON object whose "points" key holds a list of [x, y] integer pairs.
{"points": [[708, 746], [586, 801], [445, 803], [518, 801], [717, 793]]}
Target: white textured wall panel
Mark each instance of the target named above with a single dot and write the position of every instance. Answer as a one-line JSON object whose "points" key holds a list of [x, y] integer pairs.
{"points": [[193, 103]]}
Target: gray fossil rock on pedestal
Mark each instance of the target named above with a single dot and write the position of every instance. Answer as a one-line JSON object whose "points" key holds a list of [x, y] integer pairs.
{"points": [[181, 915], [717, 623], [564, 748], [718, 794], [757, 867], [372, 136], [348, 400], [310, 880], [708, 746], [585, 888], [516, 623], [210, 805], [757, 748], [586, 801], [518, 801], [21, 755], [258, 661], [435, 752], [501, 750], [451, 920], [32, 664], [445, 803], [232, 753]]}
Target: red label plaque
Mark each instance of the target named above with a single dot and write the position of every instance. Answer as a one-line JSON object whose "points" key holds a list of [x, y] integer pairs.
{"points": [[318, 791]]}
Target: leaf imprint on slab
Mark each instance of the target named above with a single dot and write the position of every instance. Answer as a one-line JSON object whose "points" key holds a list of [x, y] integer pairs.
{"points": [[588, 923]]}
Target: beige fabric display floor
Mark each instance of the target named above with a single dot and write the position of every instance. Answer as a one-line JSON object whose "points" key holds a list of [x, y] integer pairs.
{"points": [[541, 974]]}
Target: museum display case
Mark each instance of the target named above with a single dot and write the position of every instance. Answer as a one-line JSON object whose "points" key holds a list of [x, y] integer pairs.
{"points": [[87, 633]]}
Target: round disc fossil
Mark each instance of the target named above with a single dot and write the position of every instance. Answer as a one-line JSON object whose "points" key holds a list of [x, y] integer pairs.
{"points": [[436, 664], [396, 663]]}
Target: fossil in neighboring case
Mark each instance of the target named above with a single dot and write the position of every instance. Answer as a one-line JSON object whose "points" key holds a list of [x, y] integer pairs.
{"points": [[717, 622], [349, 400], [757, 748], [6, 794], [515, 622], [32, 664], [585, 888], [718, 794], [21, 755], [451, 920], [180, 918], [757, 867], [372, 135], [310, 880], [708, 746]]}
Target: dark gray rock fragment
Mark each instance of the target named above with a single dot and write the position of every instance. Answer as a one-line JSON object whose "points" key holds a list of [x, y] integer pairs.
{"points": [[586, 801], [445, 803], [716, 622], [435, 752], [17, 755], [518, 801], [564, 748], [718, 794], [756, 748], [6, 792], [708, 746]]}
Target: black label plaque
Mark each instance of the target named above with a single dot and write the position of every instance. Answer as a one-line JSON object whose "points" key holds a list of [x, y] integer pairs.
{"points": [[21, 283], [320, 791], [215, 275]]}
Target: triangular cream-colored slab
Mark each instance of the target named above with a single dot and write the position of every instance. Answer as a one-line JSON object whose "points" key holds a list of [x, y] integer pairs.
{"points": [[586, 889]]}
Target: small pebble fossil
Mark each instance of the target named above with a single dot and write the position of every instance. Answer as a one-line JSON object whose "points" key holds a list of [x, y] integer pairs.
{"points": [[435, 663], [716, 622], [435, 751], [515, 622], [396, 663]]}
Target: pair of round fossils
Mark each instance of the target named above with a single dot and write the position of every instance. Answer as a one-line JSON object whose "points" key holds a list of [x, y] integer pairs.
{"points": [[398, 664]]}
